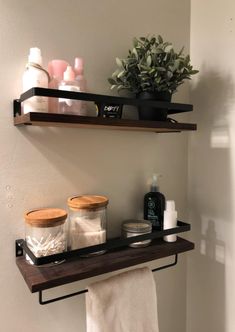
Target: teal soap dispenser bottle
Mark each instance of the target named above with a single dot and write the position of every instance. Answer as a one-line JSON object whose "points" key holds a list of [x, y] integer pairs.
{"points": [[154, 205]]}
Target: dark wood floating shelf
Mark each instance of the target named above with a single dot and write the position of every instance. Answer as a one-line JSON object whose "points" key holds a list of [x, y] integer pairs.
{"points": [[42, 278], [66, 120]]}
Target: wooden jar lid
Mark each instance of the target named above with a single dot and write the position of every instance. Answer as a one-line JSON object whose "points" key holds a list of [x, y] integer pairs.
{"points": [[89, 202], [45, 217]]}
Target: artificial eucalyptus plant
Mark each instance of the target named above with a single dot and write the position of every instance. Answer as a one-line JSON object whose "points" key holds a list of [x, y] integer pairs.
{"points": [[152, 66]]}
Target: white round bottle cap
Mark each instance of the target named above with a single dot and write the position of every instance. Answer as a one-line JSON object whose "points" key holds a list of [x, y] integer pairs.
{"points": [[170, 205]]}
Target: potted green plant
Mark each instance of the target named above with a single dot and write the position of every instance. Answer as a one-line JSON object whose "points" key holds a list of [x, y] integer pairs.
{"points": [[152, 70]]}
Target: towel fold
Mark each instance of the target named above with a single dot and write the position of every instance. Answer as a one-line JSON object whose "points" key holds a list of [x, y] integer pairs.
{"points": [[126, 302]]}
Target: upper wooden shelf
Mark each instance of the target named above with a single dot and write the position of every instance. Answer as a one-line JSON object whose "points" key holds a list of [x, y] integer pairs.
{"points": [[41, 278], [66, 120]]}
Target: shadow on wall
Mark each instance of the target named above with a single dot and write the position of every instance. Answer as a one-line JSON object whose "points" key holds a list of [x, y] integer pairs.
{"points": [[210, 201], [206, 287]]}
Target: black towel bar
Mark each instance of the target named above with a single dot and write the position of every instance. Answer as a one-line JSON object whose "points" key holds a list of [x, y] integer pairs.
{"points": [[42, 302]]}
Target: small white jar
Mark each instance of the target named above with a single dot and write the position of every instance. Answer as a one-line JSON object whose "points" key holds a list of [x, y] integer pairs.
{"points": [[134, 228], [45, 232]]}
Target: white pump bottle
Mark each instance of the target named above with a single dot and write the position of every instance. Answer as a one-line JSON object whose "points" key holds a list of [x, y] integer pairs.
{"points": [[35, 76], [170, 220]]}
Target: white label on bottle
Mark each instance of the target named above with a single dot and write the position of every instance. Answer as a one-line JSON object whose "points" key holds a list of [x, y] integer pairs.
{"points": [[73, 88], [34, 77], [170, 221]]}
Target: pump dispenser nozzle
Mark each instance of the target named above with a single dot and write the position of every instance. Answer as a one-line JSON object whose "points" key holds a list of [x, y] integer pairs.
{"points": [[154, 184], [35, 55], [69, 74]]}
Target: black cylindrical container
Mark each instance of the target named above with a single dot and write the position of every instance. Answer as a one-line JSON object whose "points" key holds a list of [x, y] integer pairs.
{"points": [[153, 113]]}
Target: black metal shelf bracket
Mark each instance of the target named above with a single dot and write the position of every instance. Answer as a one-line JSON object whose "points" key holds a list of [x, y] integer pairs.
{"points": [[173, 108], [21, 245], [60, 298]]}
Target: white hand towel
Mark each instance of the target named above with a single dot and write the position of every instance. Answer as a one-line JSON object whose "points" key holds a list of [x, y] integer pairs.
{"points": [[126, 302]]}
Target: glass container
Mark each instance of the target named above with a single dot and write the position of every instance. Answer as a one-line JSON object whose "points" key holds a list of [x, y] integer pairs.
{"points": [[45, 232], [134, 228], [87, 221]]}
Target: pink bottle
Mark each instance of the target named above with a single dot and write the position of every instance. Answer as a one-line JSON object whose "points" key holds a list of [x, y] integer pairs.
{"points": [[79, 73], [56, 69], [79, 77]]}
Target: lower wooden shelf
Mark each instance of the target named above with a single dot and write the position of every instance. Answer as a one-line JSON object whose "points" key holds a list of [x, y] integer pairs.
{"points": [[41, 278]]}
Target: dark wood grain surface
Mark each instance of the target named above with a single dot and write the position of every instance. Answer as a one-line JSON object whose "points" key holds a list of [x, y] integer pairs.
{"points": [[66, 120], [41, 278]]}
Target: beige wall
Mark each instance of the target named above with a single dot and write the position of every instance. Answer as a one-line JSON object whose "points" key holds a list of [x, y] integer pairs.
{"points": [[211, 269], [43, 166]]}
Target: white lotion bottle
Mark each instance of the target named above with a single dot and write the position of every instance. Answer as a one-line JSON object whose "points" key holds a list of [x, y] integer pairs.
{"points": [[69, 106], [170, 220], [35, 76]]}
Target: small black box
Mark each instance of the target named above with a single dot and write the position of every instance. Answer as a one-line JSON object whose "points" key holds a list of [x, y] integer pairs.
{"points": [[109, 110]]}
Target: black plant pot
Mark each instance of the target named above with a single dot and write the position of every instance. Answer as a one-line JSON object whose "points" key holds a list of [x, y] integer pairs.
{"points": [[153, 113]]}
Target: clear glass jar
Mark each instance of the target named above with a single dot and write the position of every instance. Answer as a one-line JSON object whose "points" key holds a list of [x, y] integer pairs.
{"points": [[45, 232], [134, 228], [87, 221]]}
